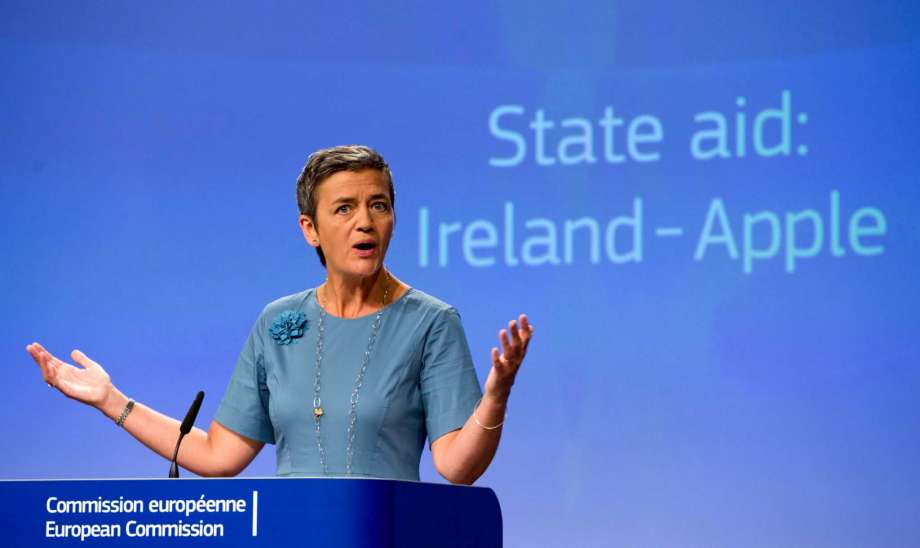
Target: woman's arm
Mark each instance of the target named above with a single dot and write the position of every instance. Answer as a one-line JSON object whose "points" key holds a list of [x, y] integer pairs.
{"points": [[463, 455], [217, 452]]}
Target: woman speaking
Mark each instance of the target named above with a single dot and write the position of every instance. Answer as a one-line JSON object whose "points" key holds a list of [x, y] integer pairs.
{"points": [[348, 378]]}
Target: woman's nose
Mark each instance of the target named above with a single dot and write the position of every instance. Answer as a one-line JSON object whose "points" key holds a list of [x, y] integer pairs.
{"points": [[363, 219]]}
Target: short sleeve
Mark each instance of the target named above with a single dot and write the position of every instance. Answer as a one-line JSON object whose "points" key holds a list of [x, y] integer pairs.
{"points": [[244, 407], [449, 385]]}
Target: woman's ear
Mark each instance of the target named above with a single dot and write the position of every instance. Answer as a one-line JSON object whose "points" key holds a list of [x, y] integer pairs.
{"points": [[310, 234]]}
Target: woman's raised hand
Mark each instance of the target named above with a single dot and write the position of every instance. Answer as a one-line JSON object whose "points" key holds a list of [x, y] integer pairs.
{"points": [[219, 452], [505, 365], [89, 384]]}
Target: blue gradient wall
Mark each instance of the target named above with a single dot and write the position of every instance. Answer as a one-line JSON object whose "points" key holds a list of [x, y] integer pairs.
{"points": [[709, 213]]}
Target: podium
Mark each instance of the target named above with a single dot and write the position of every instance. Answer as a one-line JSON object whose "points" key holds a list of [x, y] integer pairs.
{"points": [[276, 512]]}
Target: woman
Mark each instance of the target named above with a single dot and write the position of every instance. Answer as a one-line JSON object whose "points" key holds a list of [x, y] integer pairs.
{"points": [[348, 378]]}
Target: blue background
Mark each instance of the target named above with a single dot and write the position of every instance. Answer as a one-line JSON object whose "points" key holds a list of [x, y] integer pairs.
{"points": [[147, 170]]}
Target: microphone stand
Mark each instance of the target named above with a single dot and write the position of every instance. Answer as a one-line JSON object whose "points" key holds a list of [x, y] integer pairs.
{"points": [[184, 429]]}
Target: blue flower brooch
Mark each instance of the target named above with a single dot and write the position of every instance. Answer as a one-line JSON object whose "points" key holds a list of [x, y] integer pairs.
{"points": [[289, 325]]}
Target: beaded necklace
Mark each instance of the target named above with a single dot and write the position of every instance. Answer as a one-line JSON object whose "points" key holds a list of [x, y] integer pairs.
{"points": [[318, 411]]}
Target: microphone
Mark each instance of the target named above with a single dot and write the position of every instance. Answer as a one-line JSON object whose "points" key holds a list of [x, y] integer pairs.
{"points": [[184, 429]]}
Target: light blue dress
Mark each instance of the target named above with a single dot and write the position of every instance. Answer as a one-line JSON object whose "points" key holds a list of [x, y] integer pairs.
{"points": [[420, 382]]}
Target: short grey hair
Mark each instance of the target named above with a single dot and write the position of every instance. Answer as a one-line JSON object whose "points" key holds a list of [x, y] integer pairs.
{"points": [[325, 162]]}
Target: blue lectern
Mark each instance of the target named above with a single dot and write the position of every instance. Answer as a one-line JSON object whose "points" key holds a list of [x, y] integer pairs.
{"points": [[276, 512]]}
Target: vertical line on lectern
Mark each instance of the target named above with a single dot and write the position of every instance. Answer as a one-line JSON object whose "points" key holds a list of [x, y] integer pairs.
{"points": [[255, 513]]}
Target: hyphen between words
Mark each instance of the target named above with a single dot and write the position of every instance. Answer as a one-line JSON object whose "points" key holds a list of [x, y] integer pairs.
{"points": [[790, 236]]}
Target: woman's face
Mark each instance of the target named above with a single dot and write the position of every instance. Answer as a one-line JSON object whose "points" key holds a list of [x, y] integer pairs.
{"points": [[354, 222]]}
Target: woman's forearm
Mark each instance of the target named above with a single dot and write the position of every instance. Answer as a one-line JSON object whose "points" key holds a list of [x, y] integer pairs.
{"points": [[159, 432], [469, 451], [218, 452], [463, 455]]}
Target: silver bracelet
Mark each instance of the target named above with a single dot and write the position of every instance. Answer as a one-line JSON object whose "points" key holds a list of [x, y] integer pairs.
{"points": [[124, 414], [484, 427]]}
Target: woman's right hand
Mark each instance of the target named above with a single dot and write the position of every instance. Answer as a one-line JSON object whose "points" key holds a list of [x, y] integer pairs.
{"points": [[218, 452], [89, 384]]}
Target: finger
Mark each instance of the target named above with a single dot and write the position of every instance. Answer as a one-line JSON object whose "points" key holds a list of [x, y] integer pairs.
{"points": [[497, 361], [84, 360], [46, 359], [37, 352], [38, 347], [526, 326], [506, 346], [46, 356], [526, 332], [516, 341], [34, 350], [49, 366]]}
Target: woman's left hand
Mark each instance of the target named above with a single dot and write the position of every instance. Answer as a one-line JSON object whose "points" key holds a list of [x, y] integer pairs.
{"points": [[514, 341]]}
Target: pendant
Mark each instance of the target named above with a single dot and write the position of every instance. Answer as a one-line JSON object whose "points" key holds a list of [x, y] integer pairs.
{"points": [[317, 412]]}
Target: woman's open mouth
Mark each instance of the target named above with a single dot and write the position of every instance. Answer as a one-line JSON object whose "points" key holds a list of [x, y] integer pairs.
{"points": [[365, 249]]}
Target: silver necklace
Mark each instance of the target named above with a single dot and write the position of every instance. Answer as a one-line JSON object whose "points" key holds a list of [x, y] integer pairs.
{"points": [[318, 411]]}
